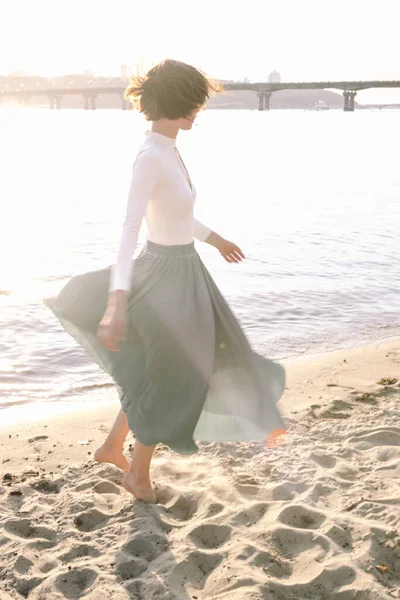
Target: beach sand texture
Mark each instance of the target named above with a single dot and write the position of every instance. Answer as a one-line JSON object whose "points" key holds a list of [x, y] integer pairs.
{"points": [[315, 518]]}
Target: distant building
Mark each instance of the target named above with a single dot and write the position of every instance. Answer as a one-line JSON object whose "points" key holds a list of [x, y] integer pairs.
{"points": [[124, 71], [246, 80], [274, 77]]}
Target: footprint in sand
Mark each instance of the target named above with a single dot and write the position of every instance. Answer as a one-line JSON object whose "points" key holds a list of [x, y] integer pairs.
{"points": [[247, 490], [210, 536], [90, 520], [346, 472], [324, 460], [283, 492], [149, 589], [148, 546], [212, 509], [106, 487], [301, 517], [293, 543], [379, 436], [42, 545], [251, 515], [72, 584], [25, 586], [320, 490], [195, 568], [387, 454], [22, 565], [182, 508], [336, 409], [47, 565], [340, 536], [16, 500], [388, 458], [133, 567], [79, 551], [23, 528], [315, 581], [274, 566]]}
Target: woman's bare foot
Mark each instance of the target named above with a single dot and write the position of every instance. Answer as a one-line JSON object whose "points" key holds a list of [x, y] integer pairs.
{"points": [[140, 488], [277, 437], [115, 457]]}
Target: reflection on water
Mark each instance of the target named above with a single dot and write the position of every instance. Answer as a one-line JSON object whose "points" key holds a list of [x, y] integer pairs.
{"points": [[312, 198]]}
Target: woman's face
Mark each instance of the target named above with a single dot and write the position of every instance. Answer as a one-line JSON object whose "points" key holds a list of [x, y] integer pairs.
{"points": [[186, 123]]}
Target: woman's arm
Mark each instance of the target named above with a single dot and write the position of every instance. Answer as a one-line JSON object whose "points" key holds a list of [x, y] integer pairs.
{"points": [[114, 324], [145, 176], [227, 249], [201, 231]]}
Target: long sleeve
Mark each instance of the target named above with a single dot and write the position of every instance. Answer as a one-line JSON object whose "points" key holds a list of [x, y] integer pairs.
{"points": [[145, 175], [201, 231]]}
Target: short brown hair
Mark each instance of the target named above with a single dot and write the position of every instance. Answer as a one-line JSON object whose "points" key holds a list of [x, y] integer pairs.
{"points": [[170, 90]]}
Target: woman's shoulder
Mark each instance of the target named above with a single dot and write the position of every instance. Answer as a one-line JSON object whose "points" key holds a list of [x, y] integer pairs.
{"points": [[148, 157]]}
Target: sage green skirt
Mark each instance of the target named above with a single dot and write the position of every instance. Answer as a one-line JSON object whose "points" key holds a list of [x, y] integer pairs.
{"points": [[185, 371]]}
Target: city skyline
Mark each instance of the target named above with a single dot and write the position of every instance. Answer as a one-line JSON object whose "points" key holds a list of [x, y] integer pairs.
{"points": [[356, 41]]}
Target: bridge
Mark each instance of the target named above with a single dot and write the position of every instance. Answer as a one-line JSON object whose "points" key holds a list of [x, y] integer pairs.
{"points": [[348, 88], [90, 92], [55, 95]]}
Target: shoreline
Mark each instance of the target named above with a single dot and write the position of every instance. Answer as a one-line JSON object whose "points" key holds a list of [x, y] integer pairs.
{"points": [[36, 410], [311, 379]]}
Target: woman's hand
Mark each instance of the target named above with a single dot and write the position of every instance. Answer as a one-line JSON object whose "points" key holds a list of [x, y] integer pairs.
{"points": [[113, 326], [227, 249]]}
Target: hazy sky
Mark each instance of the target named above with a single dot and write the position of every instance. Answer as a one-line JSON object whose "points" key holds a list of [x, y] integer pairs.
{"points": [[302, 39]]}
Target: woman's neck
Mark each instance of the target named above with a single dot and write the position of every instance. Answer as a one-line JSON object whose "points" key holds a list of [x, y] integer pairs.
{"points": [[166, 127]]}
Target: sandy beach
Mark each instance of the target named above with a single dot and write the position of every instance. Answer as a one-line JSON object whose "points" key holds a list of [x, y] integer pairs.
{"points": [[314, 518]]}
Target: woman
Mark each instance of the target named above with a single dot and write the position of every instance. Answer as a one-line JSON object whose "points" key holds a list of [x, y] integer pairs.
{"points": [[158, 324]]}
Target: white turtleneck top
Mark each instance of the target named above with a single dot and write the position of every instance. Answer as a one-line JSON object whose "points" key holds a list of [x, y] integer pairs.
{"points": [[161, 192]]}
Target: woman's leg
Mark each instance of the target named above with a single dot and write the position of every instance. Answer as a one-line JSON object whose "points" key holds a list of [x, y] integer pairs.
{"points": [[137, 480], [112, 449]]}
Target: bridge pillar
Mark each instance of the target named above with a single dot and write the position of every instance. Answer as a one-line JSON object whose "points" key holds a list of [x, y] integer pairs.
{"points": [[124, 103], [267, 98], [93, 102], [349, 97], [51, 101], [86, 101], [263, 100], [58, 102], [352, 99]]}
